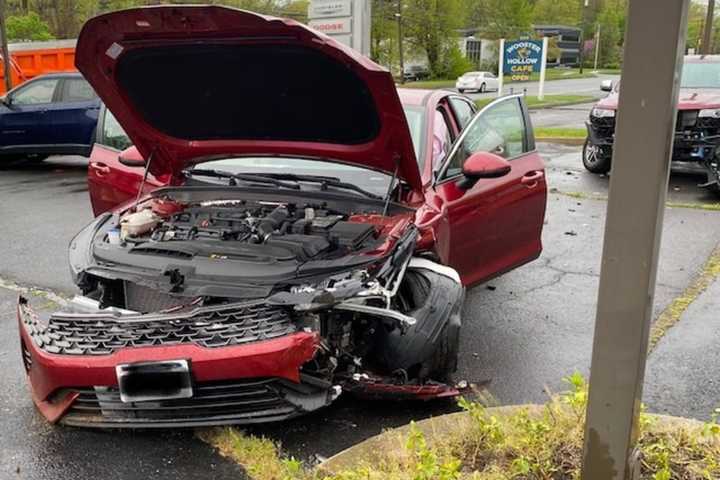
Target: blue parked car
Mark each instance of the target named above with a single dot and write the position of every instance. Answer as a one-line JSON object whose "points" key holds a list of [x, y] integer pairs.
{"points": [[54, 114]]}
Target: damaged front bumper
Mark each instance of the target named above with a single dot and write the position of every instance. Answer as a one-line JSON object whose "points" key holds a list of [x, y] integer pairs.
{"points": [[247, 362], [695, 150]]}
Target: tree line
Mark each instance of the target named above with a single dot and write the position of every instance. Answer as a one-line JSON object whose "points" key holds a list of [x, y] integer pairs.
{"points": [[431, 28]]}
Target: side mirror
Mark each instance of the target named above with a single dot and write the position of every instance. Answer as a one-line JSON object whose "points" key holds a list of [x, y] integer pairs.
{"points": [[483, 165], [130, 157], [606, 85]]}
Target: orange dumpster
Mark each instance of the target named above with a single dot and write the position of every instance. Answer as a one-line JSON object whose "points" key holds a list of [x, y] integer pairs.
{"points": [[30, 59]]}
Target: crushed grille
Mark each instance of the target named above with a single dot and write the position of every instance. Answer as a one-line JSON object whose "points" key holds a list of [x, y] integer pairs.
{"points": [[216, 326], [228, 402]]}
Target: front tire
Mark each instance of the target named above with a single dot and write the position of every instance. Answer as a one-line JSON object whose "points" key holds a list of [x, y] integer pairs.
{"points": [[482, 88], [461, 90], [595, 158]]}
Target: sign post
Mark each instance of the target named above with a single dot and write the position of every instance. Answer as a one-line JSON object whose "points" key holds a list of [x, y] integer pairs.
{"points": [[348, 21], [501, 66], [543, 65]]}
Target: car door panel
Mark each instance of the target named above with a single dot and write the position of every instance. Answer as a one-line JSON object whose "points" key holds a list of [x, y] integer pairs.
{"points": [[24, 120], [495, 225], [73, 121], [110, 183]]}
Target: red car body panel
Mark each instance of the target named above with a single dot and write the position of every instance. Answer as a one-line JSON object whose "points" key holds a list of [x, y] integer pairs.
{"points": [[106, 39]]}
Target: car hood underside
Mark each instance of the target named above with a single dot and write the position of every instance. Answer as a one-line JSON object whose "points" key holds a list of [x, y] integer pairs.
{"points": [[194, 82]]}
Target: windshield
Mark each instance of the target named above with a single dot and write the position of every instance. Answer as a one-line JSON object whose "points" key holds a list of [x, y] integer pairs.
{"points": [[370, 180], [415, 117], [701, 75]]}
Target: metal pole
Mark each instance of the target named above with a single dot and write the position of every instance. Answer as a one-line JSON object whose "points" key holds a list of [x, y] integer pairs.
{"points": [[400, 41], [501, 55], [638, 187], [597, 46], [543, 62], [4, 48], [707, 31], [581, 53]]}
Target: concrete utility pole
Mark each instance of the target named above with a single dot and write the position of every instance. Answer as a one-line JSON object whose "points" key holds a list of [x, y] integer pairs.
{"points": [[638, 187], [4, 48], [398, 15], [707, 31], [597, 46]]}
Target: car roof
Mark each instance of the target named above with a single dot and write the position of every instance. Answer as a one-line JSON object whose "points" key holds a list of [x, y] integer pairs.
{"points": [[59, 75]]}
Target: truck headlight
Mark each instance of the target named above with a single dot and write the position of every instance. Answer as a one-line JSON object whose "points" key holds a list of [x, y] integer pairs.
{"points": [[602, 112], [709, 113]]}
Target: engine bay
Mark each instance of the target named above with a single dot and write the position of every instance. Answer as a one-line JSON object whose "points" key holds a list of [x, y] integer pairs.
{"points": [[223, 229]]}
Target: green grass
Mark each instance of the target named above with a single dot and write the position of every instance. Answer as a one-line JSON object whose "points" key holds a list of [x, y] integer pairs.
{"points": [[559, 132], [530, 443], [548, 101]]}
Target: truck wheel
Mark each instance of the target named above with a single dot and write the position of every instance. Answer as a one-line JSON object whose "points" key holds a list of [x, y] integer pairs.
{"points": [[595, 159]]}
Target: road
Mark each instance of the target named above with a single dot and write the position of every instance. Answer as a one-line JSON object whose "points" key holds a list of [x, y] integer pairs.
{"points": [[575, 86], [522, 332]]}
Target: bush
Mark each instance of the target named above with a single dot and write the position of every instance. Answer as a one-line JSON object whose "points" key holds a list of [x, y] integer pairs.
{"points": [[28, 27], [453, 63]]}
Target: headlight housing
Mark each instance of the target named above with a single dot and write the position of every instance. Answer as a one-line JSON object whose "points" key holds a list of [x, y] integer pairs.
{"points": [[602, 112], [709, 113]]}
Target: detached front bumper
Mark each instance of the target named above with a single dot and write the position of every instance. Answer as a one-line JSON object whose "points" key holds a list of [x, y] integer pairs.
{"points": [[243, 383]]}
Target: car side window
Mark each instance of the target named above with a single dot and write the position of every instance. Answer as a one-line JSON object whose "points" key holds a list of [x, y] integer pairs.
{"points": [[499, 129], [442, 139], [77, 90], [113, 135], [36, 93], [464, 112]]}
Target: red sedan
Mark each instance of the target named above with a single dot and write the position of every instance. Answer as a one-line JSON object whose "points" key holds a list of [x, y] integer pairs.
{"points": [[297, 236]]}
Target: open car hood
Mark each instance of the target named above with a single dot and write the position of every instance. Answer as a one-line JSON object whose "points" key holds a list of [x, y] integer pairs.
{"points": [[189, 83]]}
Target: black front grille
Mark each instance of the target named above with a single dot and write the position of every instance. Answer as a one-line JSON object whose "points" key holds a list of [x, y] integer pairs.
{"points": [[143, 299], [218, 403], [603, 122], [216, 326], [686, 119]]}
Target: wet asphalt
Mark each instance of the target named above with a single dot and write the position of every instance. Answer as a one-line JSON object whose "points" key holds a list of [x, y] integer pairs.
{"points": [[521, 334]]}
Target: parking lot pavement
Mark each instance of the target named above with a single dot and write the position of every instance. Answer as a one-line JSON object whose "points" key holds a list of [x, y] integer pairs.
{"points": [[682, 373], [522, 332]]}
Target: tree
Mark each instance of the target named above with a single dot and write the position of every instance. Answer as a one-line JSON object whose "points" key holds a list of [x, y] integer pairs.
{"points": [[503, 18], [696, 23], [558, 12], [611, 21], [28, 27], [431, 26]]}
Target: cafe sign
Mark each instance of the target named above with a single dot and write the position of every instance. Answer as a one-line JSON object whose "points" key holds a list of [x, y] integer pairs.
{"points": [[522, 58]]}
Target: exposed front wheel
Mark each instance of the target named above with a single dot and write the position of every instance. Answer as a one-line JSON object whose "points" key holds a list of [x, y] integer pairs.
{"points": [[596, 159], [482, 88]]}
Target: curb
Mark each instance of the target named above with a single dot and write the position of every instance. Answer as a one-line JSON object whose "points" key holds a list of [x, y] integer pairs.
{"points": [[561, 140], [392, 442]]}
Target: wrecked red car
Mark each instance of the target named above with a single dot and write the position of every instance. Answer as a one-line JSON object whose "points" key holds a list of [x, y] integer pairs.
{"points": [[313, 236], [697, 128]]}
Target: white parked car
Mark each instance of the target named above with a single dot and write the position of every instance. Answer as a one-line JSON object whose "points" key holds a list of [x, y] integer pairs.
{"points": [[480, 81]]}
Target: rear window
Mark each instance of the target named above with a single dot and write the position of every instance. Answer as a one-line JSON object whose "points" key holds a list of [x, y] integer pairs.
{"points": [[77, 90], [701, 75]]}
